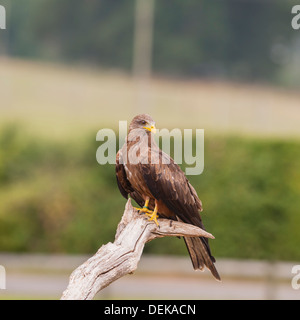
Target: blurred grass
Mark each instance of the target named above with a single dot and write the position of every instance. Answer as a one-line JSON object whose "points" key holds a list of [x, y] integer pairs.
{"points": [[63, 101], [55, 197]]}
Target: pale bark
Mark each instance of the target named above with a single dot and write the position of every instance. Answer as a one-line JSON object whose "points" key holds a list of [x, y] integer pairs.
{"points": [[114, 260]]}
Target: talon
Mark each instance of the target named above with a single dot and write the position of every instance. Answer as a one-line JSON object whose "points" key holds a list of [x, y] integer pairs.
{"points": [[143, 210], [153, 216]]}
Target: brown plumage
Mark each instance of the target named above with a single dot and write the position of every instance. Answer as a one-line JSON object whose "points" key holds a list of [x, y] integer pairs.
{"points": [[144, 172]]}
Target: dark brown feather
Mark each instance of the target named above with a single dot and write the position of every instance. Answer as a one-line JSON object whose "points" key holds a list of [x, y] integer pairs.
{"points": [[168, 184], [163, 181], [123, 183]]}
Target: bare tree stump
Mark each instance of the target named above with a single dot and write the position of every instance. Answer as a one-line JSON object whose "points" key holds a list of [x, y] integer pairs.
{"points": [[114, 260]]}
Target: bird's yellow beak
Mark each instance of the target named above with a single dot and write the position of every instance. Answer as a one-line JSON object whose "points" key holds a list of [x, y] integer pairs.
{"points": [[151, 129]]}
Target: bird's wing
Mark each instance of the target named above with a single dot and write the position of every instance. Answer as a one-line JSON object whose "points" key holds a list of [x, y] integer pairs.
{"points": [[168, 183], [123, 183]]}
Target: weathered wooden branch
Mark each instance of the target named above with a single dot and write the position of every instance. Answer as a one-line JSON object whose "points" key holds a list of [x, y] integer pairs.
{"points": [[114, 260]]}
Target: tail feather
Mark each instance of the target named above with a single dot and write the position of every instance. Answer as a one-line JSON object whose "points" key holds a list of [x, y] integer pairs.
{"points": [[200, 255]]}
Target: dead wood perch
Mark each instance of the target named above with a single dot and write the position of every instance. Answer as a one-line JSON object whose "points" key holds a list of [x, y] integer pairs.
{"points": [[114, 260]]}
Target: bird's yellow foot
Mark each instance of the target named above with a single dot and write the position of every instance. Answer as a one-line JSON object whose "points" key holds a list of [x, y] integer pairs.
{"points": [[153, 215], [145, 209]]}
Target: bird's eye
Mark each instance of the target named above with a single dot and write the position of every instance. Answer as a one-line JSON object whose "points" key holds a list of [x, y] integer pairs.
{"points": [[143, 122]]}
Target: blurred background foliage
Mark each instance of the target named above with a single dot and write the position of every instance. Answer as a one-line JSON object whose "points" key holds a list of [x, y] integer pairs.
{"points": [[249, 40], [55, 197]]}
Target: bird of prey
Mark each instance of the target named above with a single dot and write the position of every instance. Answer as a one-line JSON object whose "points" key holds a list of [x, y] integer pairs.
{"points": [[159, 186]]}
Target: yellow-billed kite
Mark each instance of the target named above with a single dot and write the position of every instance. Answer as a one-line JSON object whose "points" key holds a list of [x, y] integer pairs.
{"points": [[159, 186]]}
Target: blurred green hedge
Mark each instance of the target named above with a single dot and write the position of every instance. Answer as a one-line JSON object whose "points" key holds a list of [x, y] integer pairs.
{"points": [[55, 197]]}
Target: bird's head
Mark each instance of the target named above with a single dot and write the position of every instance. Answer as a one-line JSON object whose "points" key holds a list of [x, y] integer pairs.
{"points": [[143, 121]]}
